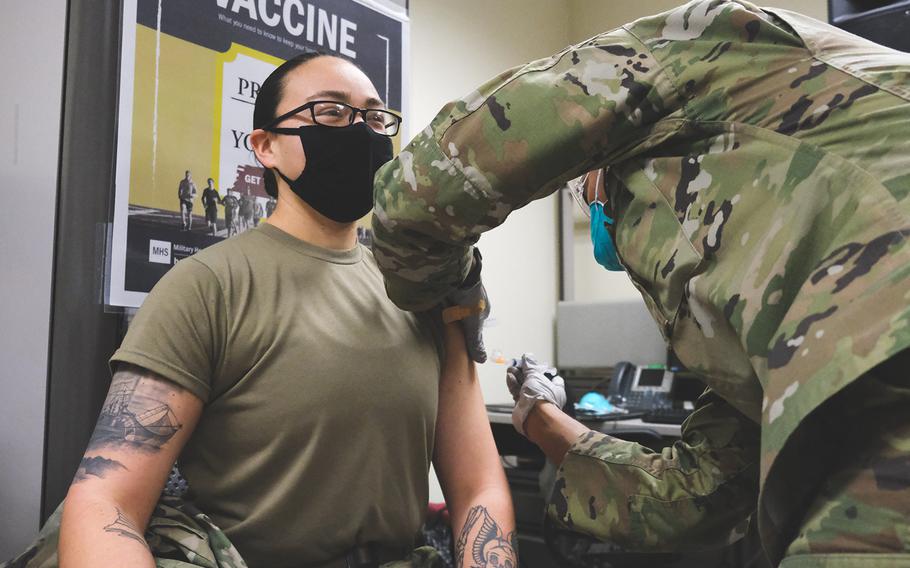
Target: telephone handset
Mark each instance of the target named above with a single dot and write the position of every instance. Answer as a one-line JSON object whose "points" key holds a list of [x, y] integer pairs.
{"points": [[619, 384], [640, 388]]}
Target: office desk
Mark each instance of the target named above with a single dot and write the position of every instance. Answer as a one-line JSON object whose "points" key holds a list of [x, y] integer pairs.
{"points": [[636, 425], [523, 475]]}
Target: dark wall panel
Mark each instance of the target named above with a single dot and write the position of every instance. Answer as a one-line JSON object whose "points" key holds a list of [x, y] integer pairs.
{"points": [[82, 335]]}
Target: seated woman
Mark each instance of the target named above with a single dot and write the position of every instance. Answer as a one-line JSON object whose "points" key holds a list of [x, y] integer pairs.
{"points": [[304, 406]]}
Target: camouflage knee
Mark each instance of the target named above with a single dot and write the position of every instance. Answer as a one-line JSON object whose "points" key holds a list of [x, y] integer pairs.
{"points": [[423, 557], [863, 505], [180, 535]]}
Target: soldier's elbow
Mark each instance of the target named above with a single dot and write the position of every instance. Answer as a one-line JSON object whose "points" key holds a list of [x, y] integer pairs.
{"points": [[687, 525], [705, 534]]}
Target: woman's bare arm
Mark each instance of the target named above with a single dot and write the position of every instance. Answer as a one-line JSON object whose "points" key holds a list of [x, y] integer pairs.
{"points": [[124, 470], [469, 467]]}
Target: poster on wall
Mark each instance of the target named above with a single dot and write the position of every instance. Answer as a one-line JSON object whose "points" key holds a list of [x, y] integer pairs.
{"points": [[189, 73]]}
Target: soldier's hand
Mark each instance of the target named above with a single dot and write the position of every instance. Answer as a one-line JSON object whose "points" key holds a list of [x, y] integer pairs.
{"points": [[470, 305], [531, 382]]}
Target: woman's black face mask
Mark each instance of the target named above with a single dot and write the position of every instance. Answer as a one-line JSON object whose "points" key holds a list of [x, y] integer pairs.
{"points": [[337, 180]]}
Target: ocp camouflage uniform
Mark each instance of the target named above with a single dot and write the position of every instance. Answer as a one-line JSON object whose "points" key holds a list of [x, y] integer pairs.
{"points": [[759, 173]]}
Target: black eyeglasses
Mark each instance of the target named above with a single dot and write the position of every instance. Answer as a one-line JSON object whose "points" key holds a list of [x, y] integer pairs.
{"points": [[339, 115]]}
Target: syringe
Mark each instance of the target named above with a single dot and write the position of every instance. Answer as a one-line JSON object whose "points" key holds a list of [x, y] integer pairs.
{"points": [[497, 358]]}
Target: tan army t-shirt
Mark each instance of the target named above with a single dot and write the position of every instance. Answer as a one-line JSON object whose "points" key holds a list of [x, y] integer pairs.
{"points": [[320, 394]]}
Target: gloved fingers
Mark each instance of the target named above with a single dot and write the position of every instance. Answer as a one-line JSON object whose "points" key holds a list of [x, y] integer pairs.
{"points": [[481, 348], [473, 339], [542, 388], [532, 368], [523, 406], [485, 305], [470, 306], [538, 388], [514, 384], [514, 378], [478, 352], [529, 362], [560, 391]]}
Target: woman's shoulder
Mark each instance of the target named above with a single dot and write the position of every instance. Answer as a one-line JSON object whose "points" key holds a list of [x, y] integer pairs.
{"points": [[235, 249], [429, 321], [369, 261], [368, 256]]}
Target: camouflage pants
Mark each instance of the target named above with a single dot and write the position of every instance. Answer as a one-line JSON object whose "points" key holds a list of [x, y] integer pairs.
{"points": [[859, 515], [180, 536]]}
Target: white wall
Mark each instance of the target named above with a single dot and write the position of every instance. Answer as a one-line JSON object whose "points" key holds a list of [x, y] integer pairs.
{"points": [[817, 9], [456, 46], [590, 17], [30, 103]]}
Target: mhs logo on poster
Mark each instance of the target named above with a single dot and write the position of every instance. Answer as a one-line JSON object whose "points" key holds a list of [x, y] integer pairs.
{"points": [[159, 251]]}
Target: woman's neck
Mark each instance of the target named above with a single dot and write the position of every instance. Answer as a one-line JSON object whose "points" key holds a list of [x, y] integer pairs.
{"points": [[293, 216]]}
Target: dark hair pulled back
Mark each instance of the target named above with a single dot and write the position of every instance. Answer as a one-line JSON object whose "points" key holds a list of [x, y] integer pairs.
{"points": [[270, 94]]}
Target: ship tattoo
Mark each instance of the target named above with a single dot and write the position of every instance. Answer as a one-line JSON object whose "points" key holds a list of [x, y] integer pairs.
{"points": [[135, 417]]}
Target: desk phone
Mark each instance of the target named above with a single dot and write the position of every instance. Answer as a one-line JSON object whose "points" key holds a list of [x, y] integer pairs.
{"points": [[658, 392]]}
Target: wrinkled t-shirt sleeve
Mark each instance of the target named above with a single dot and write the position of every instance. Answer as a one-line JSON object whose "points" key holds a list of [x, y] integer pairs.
{"points": [[179, 331], [432, 323], [515, 139], [696, 494]]}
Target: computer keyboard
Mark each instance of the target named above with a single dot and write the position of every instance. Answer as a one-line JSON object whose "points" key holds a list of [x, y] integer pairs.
{"points": [[666, 415], [659, 415]]}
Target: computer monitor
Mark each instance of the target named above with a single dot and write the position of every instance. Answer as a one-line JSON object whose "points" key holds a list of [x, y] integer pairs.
{"points": [[601, 334], [886, 22]]}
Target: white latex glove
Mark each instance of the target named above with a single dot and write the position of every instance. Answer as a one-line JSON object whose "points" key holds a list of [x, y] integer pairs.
{"points": [[531, 382]]}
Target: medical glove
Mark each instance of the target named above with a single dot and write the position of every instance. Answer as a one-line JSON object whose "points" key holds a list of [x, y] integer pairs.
{"points": [[470, 305], [531, 382]]}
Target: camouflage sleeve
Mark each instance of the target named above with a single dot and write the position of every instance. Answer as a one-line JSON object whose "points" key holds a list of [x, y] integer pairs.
{"points": [[517, 138], [696, 494]]}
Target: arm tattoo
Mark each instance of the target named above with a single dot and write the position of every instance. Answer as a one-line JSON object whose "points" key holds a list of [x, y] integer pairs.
{"points": [[136, 418], [125, 528], [485, 542], [96, 466]]}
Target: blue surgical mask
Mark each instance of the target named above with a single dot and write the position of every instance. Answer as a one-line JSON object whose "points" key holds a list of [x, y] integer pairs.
{"points": [[604, 249]]}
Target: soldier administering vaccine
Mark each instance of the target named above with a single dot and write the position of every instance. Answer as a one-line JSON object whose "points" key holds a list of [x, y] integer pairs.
{"points": [[755, 185]]}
